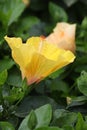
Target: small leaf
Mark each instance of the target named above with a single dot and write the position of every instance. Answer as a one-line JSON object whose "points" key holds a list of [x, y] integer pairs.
{"points": [[84, 23], [82, 83], [3, 77], [32, 120], [29, 122], [44, 115], [62, 118]]}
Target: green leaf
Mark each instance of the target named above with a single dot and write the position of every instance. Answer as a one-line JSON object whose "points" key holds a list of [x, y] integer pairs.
{"points": [[33, 102], [59, 85], [3, 77], [57, 13], [62, 118], [32, 120], [6, 64], [84, 23], [49, 128], [39, 117], [44, 115], [82, 83], [29, 122], [57, 73], [16, 12], [81, 125], [6, 126], [14, 77], [3, 32], [10, 11]]}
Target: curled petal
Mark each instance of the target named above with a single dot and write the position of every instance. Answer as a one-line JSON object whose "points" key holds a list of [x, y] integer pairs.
{"points": [[13, 42], [63, 36]]}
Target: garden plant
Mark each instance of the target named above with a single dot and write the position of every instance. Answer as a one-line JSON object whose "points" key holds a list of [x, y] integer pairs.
{"points": [[43, 65]]}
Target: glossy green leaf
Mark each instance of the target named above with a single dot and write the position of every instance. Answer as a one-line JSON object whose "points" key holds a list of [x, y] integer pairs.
{"points": [[44, 115], [63, 118], [29, 122]]}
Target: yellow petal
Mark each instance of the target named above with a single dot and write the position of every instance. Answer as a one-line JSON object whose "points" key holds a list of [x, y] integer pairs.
{"points": [[40, 67], [48, 50], [13, 42], [23, 55], [63, 59], [37, 67]]}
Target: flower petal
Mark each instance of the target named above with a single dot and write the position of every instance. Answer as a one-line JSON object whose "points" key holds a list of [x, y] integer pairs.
{"points": [[13, 42], [63, 36], [40, 67], [46, 49]]}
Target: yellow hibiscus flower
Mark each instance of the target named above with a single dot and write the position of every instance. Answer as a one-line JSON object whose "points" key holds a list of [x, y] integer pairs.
{"points": [[37, 58]]}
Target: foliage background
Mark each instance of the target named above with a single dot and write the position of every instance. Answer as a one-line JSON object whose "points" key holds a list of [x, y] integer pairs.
{"points": [[60, 101]]}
